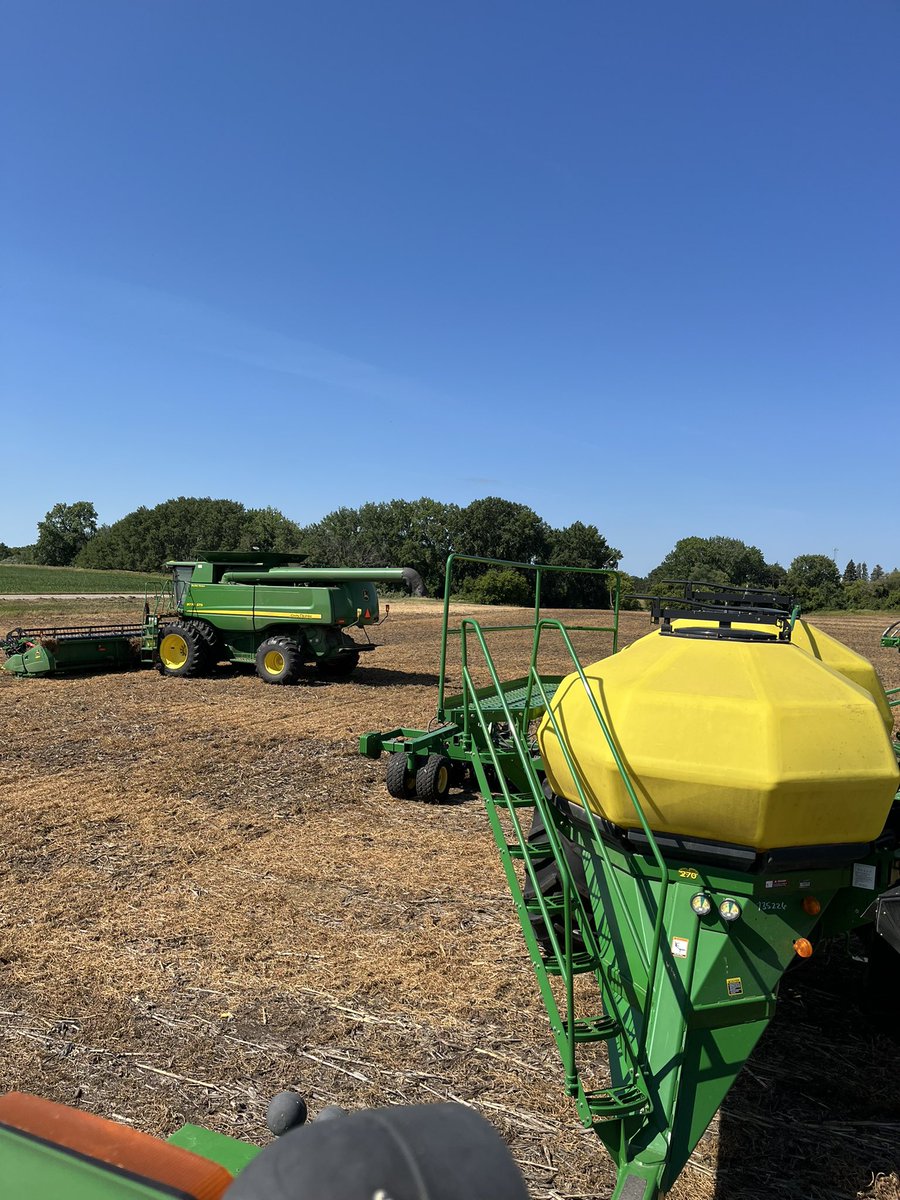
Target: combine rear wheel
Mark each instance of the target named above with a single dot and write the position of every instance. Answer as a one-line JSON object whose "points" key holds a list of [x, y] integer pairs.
{"points": [[278, 660], [401, 782], [182, 651]]}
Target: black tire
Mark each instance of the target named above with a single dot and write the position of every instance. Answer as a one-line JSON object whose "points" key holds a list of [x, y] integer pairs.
{"points": [[401, 782], [182, 651], [338, 667], [547, 873], [278, 660], [210, 638], [433, 779]]}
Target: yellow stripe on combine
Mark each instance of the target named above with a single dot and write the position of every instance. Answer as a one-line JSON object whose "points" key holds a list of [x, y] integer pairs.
{"points": [[250, 612]]}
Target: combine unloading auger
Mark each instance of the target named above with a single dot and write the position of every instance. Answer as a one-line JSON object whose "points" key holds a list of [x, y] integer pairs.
{"points": [[690, 816]]}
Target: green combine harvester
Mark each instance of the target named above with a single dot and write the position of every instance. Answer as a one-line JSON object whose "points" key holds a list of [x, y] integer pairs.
{"points": [[678, 822], [265, 610], [431, 1152]]}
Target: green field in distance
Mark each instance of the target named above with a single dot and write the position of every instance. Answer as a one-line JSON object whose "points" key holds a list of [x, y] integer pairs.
{"points": [[28, 580]]}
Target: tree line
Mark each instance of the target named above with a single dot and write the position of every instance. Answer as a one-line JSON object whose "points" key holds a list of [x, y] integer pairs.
{"points": [[422, 533]]}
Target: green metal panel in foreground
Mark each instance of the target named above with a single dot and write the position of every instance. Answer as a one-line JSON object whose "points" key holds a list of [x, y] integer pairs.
{"points": [[226, 1151], [34, 1169]]}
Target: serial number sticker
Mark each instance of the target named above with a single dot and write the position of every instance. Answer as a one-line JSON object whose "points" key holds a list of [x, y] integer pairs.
{"points": [[776, 883], [864, 876], [687, 873], [773, 905], [679, 947], [735, 986]]}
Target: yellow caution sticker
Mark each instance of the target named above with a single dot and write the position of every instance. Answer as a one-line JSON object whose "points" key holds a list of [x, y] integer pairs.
{"points": [[735, 986], [679, 947]]}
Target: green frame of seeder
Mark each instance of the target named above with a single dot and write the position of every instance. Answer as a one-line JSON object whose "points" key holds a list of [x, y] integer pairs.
{"points": [[685, 987], [891, 638]]}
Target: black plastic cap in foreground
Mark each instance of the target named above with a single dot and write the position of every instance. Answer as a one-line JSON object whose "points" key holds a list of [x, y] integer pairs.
{"points": [[427, 1152]]}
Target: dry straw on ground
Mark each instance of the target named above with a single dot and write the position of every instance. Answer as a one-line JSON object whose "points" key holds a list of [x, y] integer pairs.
{"points": [[207, 896]]}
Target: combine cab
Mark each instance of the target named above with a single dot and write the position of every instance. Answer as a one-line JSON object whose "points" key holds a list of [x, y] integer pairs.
{"points": [[678, 823]]}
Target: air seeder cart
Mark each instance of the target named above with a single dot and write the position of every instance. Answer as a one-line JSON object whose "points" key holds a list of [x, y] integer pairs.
{"points": [[678, 823]]}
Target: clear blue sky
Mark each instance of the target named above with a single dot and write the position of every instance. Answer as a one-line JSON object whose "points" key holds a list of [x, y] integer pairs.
{"points": [[629, 263]]}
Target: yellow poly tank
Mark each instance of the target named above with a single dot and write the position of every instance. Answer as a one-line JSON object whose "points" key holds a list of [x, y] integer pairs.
{"points": [[835, 654], [829, 650], [756, 743]]}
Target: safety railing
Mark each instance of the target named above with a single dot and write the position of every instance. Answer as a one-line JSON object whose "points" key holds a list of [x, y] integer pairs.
{"points": [[649, 956], [540, 570]]}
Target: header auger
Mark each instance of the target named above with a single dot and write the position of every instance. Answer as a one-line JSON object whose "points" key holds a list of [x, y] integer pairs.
{"points": [[688, 818]]}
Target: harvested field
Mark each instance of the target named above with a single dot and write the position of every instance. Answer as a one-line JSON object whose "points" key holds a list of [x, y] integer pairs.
{"points": [[207, 896]]}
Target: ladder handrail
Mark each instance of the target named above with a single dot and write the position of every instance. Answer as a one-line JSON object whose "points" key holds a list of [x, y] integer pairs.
{"points": [[634, 1054], [527, 762], [650, 961], [539, 569]]}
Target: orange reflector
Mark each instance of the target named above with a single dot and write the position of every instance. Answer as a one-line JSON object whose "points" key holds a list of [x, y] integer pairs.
{"points": [[106, 1142], [811, 906], [803, 947], [368, 615]]}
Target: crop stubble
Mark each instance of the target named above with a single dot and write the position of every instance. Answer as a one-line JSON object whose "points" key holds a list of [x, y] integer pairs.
{"points": [[207, 896]]}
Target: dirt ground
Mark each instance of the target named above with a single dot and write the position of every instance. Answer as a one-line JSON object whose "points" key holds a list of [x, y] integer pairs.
{"points": [[208, 896]]}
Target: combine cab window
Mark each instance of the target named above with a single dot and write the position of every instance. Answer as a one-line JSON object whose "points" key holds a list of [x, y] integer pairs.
{"points": [[181, 579]]}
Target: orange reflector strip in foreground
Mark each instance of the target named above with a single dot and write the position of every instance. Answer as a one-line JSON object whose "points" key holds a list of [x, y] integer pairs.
{"points": [[115, 1145]]}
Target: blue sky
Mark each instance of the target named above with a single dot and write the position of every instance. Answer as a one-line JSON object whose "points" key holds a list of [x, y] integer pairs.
{"points": [[634, 264]]}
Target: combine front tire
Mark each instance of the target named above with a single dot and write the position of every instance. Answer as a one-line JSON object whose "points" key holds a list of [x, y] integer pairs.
{"points": [[210, 639], [401, 782], [278, 660], [182, 651], [433, 779]]}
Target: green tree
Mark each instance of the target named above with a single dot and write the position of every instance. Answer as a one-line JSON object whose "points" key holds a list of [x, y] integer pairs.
{"points": [[579, 545], [405, 533], [877, 572], [498, 585], [498, 528], [815, 581], [719, 560], [269, 529], [144, 539], [850, 573], [64, 531], [863, 572]]}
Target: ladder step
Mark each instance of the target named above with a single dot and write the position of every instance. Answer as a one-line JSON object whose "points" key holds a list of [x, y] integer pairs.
{"points": [[553, 904], [594, 1029], [530, 849], [614, 1103], [582, 962], [521, 800]]}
